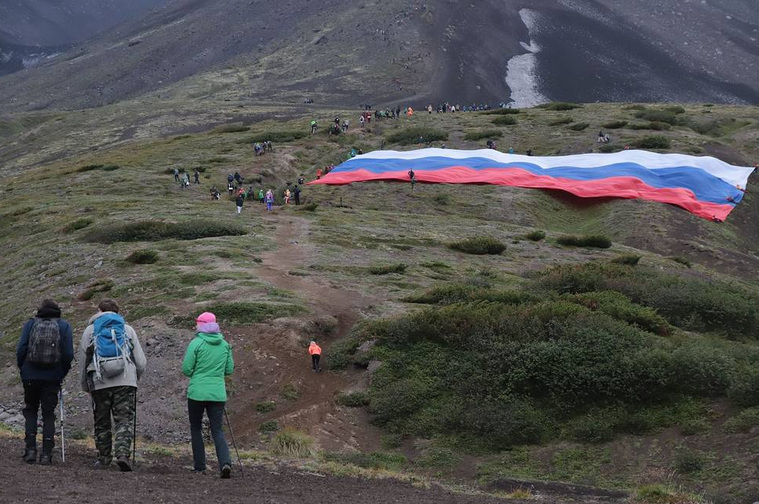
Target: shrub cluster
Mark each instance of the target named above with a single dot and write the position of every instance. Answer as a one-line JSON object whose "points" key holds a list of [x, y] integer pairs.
{"points": [[536, 235], [560, 106], [505, 120], [503, 111], [292, 443], [275, 137], [150, 230], [581, 126], [595, 241], [385, 269], [353, 399], [479, 245], [614, 124], [230, 128], [653, 142], [665, 116], [76, 225], [411, 136], [143, 257], [561, 121], [653, 125]]}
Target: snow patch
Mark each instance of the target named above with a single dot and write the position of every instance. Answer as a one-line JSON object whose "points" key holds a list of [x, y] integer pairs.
{"points": [[521, 70]]}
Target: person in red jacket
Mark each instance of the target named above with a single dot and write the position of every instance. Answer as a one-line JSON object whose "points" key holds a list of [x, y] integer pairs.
{"points": [[315, 352]]}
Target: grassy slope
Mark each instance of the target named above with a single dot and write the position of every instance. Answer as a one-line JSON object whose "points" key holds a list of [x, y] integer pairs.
{"points": [[380, 224]]}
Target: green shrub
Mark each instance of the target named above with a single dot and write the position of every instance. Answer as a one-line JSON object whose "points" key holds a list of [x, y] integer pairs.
{"points": [[376, 460], [355, 399], [503, 111], [744, 391], [620, 307], [268, 426], [385, 269], [653, 142], [391, 441], [634, 106], [442, 199], [157, 231], [290, 392], [682, 260], [292, 444], [455, 293], [560, 106], [437, 458], [653, 125], [143, 257], [473, 136], [479, 245], [598, 426], [78, 224], [310, 207], [250, 312], [595, 241], [675, 109], [742, 422], [230, 128], [579, 126], [411, 136], [609, 148], [689, 461], [561, 121], [628, 259], [102, 285], [275, 137], [266, 407], [505, 120], [663, 116], [536, 235], [614, 124]]}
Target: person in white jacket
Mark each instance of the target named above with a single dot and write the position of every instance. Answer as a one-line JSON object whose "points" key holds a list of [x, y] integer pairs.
{"points": [[111, 361]]}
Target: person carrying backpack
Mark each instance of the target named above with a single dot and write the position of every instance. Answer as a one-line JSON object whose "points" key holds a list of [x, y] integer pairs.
{"points": [[207, 361], [296, 195], [44, 354], [111, 361], [239, 201]]}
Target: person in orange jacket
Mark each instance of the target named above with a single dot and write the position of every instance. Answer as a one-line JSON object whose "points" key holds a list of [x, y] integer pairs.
{"points": [[315, 352]]}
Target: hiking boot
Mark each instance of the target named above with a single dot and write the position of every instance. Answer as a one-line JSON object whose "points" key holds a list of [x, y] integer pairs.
{"points": [[102, 465], [46, 458], [30, 455], [226, 471], [123, 463]]}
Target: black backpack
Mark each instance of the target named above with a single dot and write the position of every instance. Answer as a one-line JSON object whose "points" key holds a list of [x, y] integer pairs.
{"points": [[44, 348]]}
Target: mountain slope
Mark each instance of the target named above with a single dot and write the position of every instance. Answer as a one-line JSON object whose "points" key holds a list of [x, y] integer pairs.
{"points": [[383, 52]]}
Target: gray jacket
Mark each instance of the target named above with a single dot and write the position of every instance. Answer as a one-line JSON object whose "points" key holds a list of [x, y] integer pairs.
{"points": [[134, 368]]}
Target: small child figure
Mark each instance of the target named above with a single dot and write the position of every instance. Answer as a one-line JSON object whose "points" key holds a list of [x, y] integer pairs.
{"points": [[315, 352]]}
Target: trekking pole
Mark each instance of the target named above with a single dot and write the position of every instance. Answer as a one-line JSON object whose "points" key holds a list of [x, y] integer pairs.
{"points": [[134, 432], [231, 435], [63, 438]]}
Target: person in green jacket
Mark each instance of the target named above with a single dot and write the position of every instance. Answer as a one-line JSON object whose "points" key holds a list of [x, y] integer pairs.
{"points": [[207, 361]]}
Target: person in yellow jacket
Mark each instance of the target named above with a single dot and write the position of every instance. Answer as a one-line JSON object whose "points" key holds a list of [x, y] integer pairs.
{"points": [[315, 352]]}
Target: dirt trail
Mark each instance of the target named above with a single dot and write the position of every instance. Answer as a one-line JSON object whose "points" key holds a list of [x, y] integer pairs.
{"points": [[273, 359]]}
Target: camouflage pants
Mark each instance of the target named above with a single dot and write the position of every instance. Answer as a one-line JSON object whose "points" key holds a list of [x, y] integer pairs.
{"points": [[119, 403]]}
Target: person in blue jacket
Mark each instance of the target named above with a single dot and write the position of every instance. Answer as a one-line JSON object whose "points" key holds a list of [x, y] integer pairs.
{"points": [[44, 354]]}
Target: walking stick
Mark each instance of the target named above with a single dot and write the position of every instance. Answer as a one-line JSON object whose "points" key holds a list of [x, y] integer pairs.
{"points": [[231, 435], [134, 432], [63, 438]]}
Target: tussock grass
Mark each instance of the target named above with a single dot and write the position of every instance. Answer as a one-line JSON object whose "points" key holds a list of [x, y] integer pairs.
{"points": [[536, 235], [505, 120], [158, 230], [595, 241], [143, 257], [385, 269], [614, 124], [355, 399], [78, 224], [479, 245], [582, 126], [291, 443], [561, 121]]}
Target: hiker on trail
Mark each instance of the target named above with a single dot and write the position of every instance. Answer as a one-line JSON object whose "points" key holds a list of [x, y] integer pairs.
{"points": [[361, 121], [207, 361], [313, 126], [215, 194], [238, 178], [239, 201], [301, 180], [412, 178], [111, 361], [261, 195], [287, 196], [197, 176], [231, 188], [230, 178], [529, 152], [318, 173], [269, 199], [185, 180], [315, 352], [176, 174], [44, 354], [296, 194]]}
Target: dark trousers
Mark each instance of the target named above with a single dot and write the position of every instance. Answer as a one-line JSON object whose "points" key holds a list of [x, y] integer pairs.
{"points": [[297, 199], [215, 411], [44, 393], [315, 361], [119, 403]]}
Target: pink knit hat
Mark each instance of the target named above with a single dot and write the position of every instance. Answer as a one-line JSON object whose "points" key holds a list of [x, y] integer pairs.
{"points": [[205, 318]]}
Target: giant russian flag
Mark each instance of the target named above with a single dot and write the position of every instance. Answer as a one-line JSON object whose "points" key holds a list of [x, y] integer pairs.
{"points": [[705, 186]]}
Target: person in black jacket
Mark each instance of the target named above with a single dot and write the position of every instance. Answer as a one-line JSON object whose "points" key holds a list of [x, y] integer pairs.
{"points": [[44, 354]]}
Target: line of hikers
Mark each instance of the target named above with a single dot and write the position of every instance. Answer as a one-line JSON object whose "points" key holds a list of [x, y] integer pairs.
{"points": [[111, 363], [183, 177]]}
